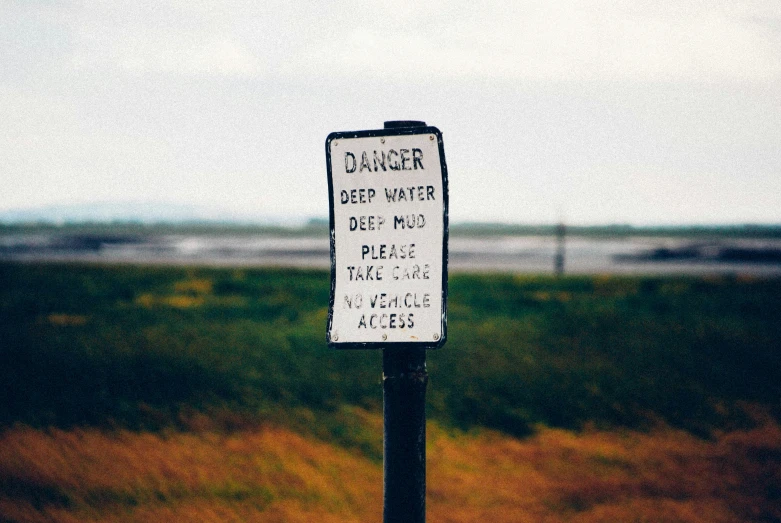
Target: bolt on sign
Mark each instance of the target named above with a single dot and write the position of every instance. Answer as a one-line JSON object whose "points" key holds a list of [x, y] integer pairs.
{"points": [[389, 227]]}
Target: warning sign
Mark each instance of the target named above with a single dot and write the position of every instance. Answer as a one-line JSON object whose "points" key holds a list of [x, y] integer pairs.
{"points": [[388, 215]]}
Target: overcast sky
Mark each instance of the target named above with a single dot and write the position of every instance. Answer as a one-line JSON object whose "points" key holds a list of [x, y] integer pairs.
{"points": [[642, 112]]}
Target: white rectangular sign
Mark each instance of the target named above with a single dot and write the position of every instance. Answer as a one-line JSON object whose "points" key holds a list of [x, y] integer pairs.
{"points": [[388, 214]]}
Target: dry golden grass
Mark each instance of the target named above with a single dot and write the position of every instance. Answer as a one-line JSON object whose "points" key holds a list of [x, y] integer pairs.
{"points": [[558, 475], [272, 474], [89, 475]]}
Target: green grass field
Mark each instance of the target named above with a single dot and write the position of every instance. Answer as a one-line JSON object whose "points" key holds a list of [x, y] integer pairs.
{"points": [[141, 347], [136, 393]]}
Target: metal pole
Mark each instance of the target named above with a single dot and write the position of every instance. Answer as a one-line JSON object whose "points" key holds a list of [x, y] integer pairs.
{"points": [[404, 380], [404, 383], [561, 231]]}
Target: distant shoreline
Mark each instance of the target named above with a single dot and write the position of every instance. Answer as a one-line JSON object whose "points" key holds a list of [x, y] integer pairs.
{"points": [[717, 251], [317, 226]]}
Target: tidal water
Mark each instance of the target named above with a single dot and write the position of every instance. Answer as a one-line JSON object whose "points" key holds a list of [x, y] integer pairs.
{"points": [[510, 253]]}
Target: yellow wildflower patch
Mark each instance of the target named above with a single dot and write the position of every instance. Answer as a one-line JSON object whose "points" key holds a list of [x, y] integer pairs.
{"points": [[183, 301], [66, 320], [194, 285], [180, 301]]}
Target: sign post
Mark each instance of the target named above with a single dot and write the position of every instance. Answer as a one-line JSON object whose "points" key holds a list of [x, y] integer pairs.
{"points": [[388, 199]]}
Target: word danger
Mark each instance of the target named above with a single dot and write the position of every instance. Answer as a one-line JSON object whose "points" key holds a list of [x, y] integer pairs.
{"points": [[392, 194], [401, 160], [397, 272]]}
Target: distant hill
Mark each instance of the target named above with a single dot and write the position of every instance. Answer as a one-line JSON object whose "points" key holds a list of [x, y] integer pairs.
{"points": [[133, 214], [139, 212]]}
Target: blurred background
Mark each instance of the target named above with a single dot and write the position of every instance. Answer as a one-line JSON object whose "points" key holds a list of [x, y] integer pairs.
{"points": [[614, 335], [594, 113]]}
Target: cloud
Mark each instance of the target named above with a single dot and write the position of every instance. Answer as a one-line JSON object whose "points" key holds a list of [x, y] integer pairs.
{"points": [[559, 94], [160, 38], [541, 41], [220, 56], [172, 54], [566, 41]]}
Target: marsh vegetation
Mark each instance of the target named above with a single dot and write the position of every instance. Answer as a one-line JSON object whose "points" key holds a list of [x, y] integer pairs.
{"points": [[137, 393]]}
